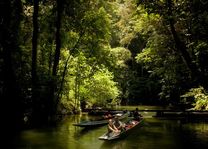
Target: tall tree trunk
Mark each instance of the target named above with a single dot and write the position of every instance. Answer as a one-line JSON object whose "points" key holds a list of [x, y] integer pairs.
{"points": [[35, 43], [53, 100], [11, 106], [58, 38], [36, 105]]}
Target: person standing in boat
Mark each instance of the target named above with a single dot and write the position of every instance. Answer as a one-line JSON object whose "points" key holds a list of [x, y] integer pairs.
{"points": [[137, 115]]}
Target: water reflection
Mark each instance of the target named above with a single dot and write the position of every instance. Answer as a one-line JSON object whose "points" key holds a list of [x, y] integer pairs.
{"points": [[196, 133], [153, 134], [80, 132], [114, 145]]}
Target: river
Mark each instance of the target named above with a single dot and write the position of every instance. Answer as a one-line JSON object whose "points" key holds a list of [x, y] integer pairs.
{"points": [[154, 133]]}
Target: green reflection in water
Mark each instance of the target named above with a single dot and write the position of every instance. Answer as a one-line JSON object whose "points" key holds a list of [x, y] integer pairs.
{"points": [[153, 134]]}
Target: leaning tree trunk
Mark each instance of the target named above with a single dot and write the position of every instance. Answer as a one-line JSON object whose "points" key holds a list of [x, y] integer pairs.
{"points": [[66, 65], [181, 47]]}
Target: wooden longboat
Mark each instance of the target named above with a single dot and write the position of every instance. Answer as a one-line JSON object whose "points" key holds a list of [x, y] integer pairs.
{"points": [[129, 125], [97, 123]]}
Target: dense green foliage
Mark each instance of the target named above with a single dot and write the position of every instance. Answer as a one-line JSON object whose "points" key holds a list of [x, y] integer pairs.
{"points": [[199, 95], [64, 55], [175, 43]]}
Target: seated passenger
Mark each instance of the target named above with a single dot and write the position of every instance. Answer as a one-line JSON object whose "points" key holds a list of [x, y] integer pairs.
{"points": [[137, 115], [118, 124], [111, 127], [107, 115]]}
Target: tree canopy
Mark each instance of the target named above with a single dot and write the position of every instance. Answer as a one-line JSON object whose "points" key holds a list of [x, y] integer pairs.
{"points": [[65, 55]]}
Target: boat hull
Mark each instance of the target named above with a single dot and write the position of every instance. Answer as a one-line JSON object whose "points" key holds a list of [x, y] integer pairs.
{"points": [[130, 125], [98, 123]]}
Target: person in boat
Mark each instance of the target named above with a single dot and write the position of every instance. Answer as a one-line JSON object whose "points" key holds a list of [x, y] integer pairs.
{"points": [[118, 124], [107, 115], [111, 127], [137, 115]]}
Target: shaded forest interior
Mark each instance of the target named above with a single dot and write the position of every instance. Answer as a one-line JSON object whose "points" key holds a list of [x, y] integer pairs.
{"points": [[59, 56]]}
